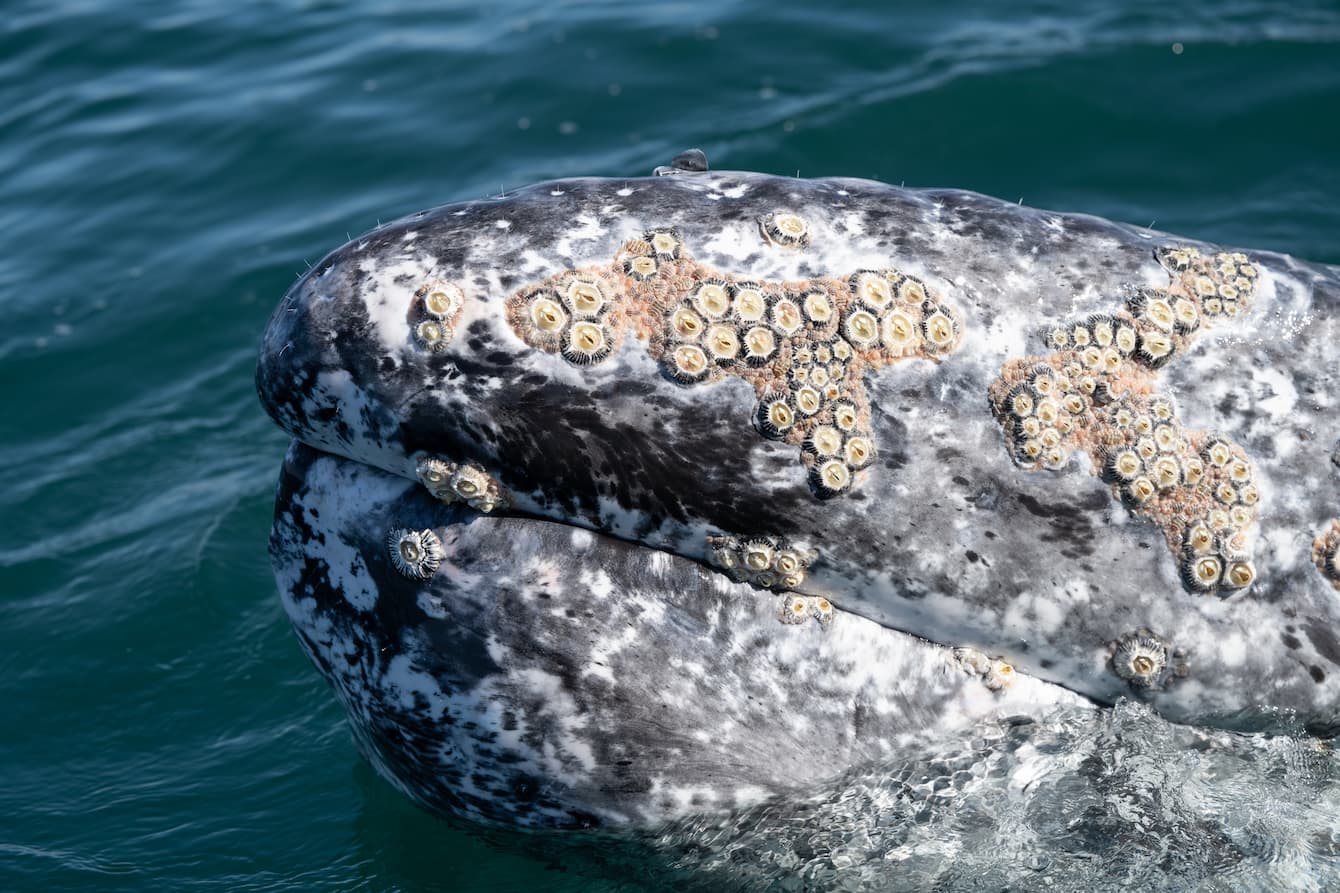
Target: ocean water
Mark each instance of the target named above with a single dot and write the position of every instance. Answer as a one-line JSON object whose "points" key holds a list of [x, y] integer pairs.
{"points": [[167, 169]]}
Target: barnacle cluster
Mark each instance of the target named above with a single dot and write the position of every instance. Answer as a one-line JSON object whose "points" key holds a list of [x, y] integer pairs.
{"points": [[433, 315], [995, 673], [804, 346], [769, 562], [796, 609], [460, 482], [1144, 661], [1326, 553], [1097, 392], [576, 313], [415, 553]]}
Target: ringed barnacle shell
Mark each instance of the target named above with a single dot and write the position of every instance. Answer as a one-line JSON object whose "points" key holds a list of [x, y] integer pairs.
{"points": [[640, 267], [795, 609], [748, 303], [712, 299], [899, 332], [435, 475], [665, 243], [431, 335], [1140, 659], [585, 343], [999, 676], [830, 478], [441, 299], [872, 289], [687, 364], [760, 345], [785, 229], [547, 315], [821, 609], [775, 416], [585, 296], [415, 553]]}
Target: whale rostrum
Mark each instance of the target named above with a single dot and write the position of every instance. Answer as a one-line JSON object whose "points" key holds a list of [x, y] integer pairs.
{"points": [[1088, 456]]}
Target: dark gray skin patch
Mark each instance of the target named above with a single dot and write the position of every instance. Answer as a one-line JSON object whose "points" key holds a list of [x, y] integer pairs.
{"points": [[616, 448]]}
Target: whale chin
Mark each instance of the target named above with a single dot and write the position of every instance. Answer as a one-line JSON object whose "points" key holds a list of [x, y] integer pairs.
{"points": [[547, 676]]}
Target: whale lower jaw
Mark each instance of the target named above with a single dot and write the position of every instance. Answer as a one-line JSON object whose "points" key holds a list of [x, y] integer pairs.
{"points": [[542, 675]]}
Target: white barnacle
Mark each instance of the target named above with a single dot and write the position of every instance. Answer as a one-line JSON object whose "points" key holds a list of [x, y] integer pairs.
{"points": [[1059, 338], [1167, 437], [858, 451], [898, 332], [1217, 452], [841, 350], [1154, 348], [1186, 316], [688, 364], [1140, 490], [1166, 471], [686, 324], [415, 553], [821, 609], [1146, 447], [760, 345], [911, 290], [1238, 574], [786, 316], [584, 296], [1193, 470], [435, 475], [1103, 329], [808, 400], [748, 303], [788, 561], [1201, 573], [665, 242], [831, 477], [1125, 339], [469, 481], [547, 315], [1047, 411], [862, 329], [712, 299], [794, 609], [823, 441], [845, 415], [1126, 465], [758, 554], [872, 289], [1198, 539], [785, 229], [1055, 457], [818, 308], [1239, 471], [775, 416], [442, 299], [1226, 493], [1140, 660], [641, 267], [585, 343], [940, 329], [722, 343], [431, 335], [819, 376]]}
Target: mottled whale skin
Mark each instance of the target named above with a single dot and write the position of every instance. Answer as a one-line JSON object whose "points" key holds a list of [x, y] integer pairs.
{"points": [[546, 676], [944, 536]]}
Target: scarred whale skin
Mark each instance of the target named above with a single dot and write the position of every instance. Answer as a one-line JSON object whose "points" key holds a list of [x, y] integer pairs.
{"points": [[944, 535], [546, 676]]}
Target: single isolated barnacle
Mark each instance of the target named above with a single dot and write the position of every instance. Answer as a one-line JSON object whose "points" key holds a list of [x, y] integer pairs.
{"points": [[785, 229], [415, 553]]}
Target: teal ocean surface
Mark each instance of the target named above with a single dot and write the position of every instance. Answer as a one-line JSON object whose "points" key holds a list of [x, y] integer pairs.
{"points": [[167, 169]]}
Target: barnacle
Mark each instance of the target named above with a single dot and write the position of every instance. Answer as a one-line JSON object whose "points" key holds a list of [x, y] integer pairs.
{"points": [[940, 330], [1201, 572], [785, 229], [786, 316], [435, 474], [547, 315], [898, 332], [1154, 348], [415, 553], [818, 308], [794, 609], [687, 364], [686, 324], [585, 343], [748, 303], [431, 335], [862, 329], [441, 299], [1140, 659], [641, 267], [775, 415], [712, 299], [722, 343], [821, 609], [872, 289], [584, 296], [666, 243], [830, 477], [760, 345], [858, 451], [808, 400], [824, 441]]}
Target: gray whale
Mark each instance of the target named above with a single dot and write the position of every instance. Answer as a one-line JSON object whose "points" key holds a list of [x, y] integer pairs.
{"points": [[1096, 460]]}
